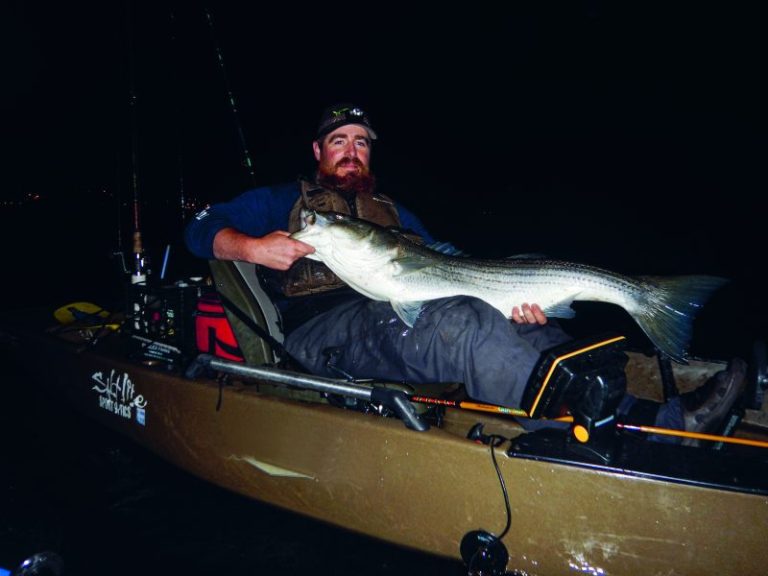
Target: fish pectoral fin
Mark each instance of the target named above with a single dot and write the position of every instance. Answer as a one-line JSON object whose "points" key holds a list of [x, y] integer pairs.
{"points": [[560, 310], [409, 264], [408, 312]]}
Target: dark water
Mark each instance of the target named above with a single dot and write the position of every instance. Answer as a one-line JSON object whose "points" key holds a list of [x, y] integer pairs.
{"points": [[107, 506]]}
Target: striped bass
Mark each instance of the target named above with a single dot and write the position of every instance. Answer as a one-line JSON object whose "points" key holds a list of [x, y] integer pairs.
{"points": [[383, 264]]}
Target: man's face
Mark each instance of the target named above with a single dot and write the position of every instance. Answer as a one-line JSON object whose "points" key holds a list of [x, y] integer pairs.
{"points": [[344, 152]]}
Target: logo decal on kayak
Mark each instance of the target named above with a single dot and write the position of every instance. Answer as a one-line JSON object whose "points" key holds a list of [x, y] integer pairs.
{"points": [[117, 395]]}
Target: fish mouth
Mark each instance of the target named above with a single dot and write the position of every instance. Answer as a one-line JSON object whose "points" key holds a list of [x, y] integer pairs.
{"points": [[308, 218]]}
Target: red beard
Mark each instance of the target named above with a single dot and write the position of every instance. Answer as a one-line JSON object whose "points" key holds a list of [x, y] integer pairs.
{"points": [[352, 183]]}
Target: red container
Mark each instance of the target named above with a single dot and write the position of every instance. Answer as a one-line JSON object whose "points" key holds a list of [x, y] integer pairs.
{"points": [[213, 332]]}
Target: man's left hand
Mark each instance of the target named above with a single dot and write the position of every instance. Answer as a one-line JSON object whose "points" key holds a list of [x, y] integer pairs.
{"points": [[529, 314]]}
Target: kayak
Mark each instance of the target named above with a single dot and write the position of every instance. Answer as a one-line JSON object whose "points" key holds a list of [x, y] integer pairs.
{"points": [[421, 467]]}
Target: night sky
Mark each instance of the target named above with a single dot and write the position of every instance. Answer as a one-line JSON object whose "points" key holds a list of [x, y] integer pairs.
{"points": [[631, 137]]}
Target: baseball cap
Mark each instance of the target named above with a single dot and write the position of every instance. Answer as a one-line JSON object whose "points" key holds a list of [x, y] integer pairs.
{"points": [[340, 115]]}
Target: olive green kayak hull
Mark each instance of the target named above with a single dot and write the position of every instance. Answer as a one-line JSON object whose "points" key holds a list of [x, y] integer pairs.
{"points": [[422, 490]]}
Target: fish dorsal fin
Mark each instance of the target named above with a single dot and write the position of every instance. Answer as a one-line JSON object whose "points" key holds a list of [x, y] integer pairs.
{"points": [[408, 312]]}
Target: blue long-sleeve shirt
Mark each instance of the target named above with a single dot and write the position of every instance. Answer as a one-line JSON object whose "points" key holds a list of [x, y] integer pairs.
{"points": [[260, 211], [263, 210]]}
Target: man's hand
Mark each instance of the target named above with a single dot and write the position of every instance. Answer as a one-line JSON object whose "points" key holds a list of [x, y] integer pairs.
{"points": [[529, 314], [276, 250]]}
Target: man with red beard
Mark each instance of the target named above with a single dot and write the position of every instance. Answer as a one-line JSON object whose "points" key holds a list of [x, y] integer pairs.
{"points": [[331, 329]]}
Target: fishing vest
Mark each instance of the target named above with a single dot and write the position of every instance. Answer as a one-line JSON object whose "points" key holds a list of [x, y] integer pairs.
{"points": [[308, 276]]}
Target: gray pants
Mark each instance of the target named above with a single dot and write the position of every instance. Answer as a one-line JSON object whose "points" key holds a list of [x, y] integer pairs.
{"points": [[457, 339]]}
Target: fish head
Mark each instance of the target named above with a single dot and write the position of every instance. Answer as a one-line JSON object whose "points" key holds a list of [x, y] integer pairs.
{"points": [[312, 220], [335, 235], [321, 230], [330, 226], [314, 225]]}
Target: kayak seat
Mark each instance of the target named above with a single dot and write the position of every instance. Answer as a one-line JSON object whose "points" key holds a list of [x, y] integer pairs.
{"points": [[255, 322], [240, 285]]}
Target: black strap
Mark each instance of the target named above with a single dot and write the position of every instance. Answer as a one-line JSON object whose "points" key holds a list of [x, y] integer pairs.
{"points": [[214, 341], [260, 332], [667, 376]]}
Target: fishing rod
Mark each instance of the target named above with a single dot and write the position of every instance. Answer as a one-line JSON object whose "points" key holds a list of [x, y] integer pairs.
{"points": [[692, 435], [139, 273], [179, 124], [465, 405], [519, 413], [230, 98]]}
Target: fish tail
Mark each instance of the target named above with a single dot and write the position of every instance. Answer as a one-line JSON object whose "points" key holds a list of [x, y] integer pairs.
{"points": [[669, 307]]}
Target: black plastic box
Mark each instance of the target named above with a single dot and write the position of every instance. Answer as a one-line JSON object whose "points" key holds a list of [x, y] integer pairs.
{"points": [[160, 323]]}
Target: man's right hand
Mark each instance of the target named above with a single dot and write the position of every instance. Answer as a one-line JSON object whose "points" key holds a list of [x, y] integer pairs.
{"points": [[529, 314], [276, 250]]}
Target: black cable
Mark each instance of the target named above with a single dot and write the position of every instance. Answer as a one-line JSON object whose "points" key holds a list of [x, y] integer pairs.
{"points": [[222, 379], [495, 441], [488, 554]]}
